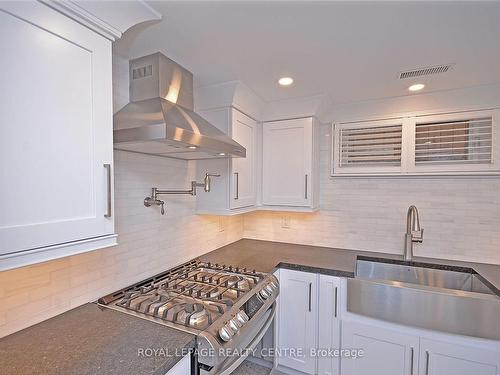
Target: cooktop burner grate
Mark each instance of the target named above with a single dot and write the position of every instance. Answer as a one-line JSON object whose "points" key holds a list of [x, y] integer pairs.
{"points": [[193, 295]]}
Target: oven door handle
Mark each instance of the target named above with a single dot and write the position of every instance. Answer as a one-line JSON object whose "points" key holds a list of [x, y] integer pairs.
{"points": [[232, 366]]}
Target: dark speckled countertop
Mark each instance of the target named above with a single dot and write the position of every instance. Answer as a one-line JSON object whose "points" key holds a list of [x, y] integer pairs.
{"points": [[91, 340], [265, 256]]}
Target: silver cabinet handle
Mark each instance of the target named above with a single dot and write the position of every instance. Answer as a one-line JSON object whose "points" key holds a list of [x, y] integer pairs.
{"points": [[335, 306], [310, 288], [108, 192], [427, 362], [305, 189], [411, 360], [237, 190]]}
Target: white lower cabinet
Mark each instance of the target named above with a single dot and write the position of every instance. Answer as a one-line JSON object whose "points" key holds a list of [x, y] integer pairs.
{"points": [[443, 358], [183, 367], [397, 352], [329, 324], [297, 320], [311, 316], [385, 352], [308, 319]]}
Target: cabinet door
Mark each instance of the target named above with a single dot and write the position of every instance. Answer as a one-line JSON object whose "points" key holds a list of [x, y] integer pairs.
{"points": [[183, 367], [287, 162], [297, 321], [243, 188], [440, 358], [329, 323], [386, 352], [56, 129]]}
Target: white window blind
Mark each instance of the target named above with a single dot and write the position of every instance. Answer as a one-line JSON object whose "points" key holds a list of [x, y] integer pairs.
{"points": [[454, 142], [370, 146]]}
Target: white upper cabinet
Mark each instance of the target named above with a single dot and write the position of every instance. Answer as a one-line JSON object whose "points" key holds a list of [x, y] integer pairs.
{"points": [[290, 163], [235, 189], [56, 148], [243, 183]]}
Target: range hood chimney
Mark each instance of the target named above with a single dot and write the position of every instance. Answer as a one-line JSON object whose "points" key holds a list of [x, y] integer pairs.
{"points": [[159, 120]]}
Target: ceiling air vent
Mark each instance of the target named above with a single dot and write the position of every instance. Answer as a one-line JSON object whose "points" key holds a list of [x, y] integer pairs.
{"points": [[425, 71]]}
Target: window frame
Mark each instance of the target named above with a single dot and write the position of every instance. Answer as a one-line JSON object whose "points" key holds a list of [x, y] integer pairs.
{"points": [[408, 166], [373, 169]]}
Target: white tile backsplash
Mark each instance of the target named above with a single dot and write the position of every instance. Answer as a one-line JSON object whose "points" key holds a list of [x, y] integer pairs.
{"points": [[461, 216]]}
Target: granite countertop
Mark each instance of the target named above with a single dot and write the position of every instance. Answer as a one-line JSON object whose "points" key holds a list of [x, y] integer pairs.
{"points": [[93, 340], [265, 256]]}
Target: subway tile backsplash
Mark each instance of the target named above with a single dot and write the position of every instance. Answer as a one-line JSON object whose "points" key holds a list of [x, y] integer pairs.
{"points": [[460, 216], [148, 244]]}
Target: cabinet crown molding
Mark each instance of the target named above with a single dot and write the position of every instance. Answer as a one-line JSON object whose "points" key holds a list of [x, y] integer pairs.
{"points": [[107, 18]]}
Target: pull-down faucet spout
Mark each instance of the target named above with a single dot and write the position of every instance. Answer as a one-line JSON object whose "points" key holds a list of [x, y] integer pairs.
{"points": [[413, 232]]}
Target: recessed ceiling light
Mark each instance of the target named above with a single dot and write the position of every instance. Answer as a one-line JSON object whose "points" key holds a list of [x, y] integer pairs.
{"points": [[416, 87], [192, 147], [285, 81], [222, 154]]}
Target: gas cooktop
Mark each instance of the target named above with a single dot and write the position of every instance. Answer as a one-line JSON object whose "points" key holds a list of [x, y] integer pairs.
{"points": [[194, 295], [225, 306]]}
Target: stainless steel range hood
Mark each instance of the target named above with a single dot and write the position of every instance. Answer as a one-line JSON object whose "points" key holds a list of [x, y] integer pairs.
{"points": [[159, 120]]}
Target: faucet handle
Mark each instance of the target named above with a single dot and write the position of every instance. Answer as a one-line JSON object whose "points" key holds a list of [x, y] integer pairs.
{"points": [[212, 175], [417, 235], [207, 180], [162, 207]]}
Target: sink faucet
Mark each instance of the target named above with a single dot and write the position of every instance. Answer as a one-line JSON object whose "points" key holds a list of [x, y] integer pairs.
{"points": [[413, 232]]}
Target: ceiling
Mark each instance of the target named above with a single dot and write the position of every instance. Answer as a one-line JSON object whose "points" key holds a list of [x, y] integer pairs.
{"points": [[351, 51]]}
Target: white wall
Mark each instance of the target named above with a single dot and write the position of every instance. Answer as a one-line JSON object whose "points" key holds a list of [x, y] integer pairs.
{"points": [[148, 242], [470, 98], [461, 216]]}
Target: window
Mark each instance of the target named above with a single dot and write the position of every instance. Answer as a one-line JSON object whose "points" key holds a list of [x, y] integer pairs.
{"points": [[368, 147], [375, 145], [459, 143]]}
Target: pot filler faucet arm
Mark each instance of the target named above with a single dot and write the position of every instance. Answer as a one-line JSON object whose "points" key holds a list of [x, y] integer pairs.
{"points": [[155, 192]]}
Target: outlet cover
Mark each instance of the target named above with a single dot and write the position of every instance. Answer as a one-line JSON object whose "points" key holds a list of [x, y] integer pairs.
{"points": [[285, 222]]}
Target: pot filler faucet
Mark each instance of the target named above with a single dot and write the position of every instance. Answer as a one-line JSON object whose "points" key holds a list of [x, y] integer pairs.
{"points": [[155, 192], [413, 232]]}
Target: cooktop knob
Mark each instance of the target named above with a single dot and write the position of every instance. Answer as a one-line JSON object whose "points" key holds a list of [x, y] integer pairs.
{"points": [[242, 317], [225, 333], [269, 288], [234, 324], [264, 293]]}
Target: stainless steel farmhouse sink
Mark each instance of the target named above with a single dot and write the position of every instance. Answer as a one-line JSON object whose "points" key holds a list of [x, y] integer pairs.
{"points": [[443, 298]]}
